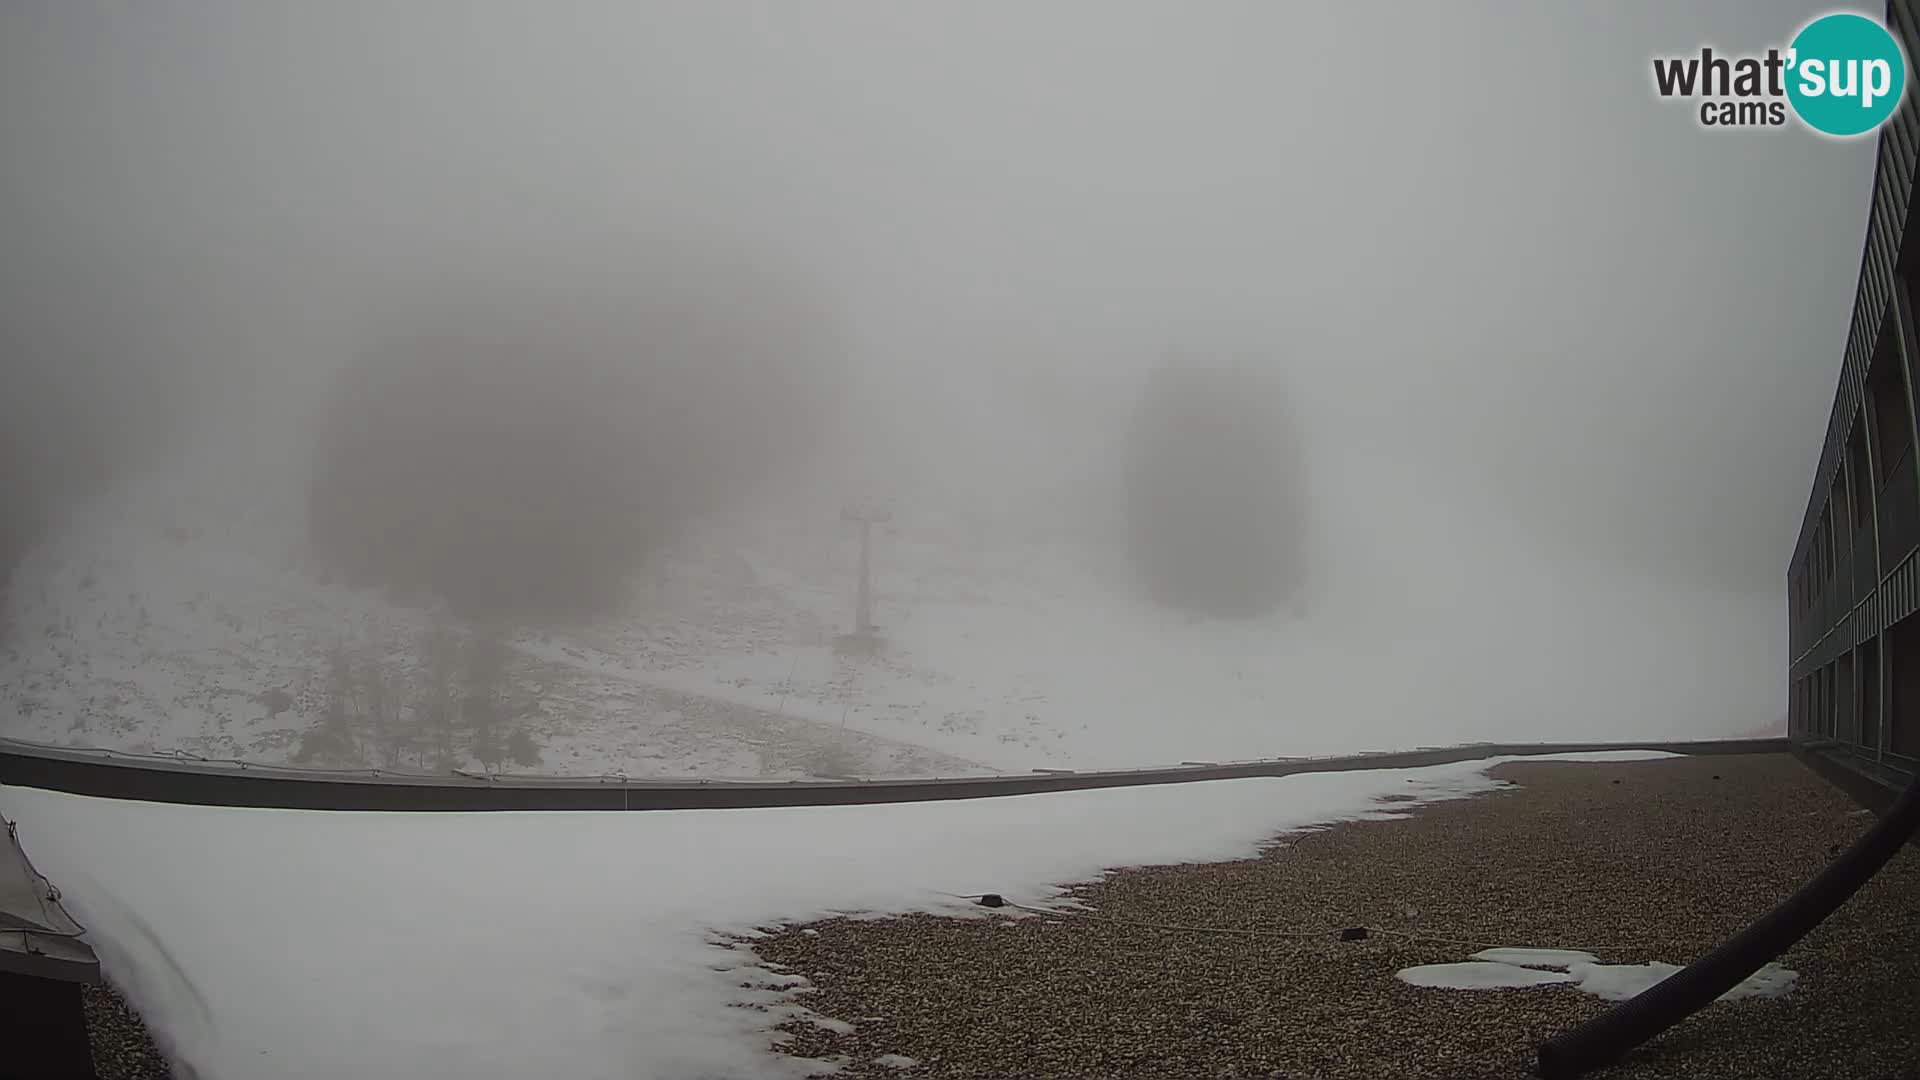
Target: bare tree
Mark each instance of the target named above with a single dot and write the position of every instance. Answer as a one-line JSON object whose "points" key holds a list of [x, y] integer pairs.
{"points": [[487, 690], [374, 678], [333, 737], [434, 703]]}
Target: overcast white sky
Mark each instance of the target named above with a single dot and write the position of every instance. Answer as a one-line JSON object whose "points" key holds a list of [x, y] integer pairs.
{"points": [[1482, 246]]}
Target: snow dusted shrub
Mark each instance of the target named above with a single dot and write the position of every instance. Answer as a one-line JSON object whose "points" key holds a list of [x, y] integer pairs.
{"points": [[522, 750], [833, 759], [455, 702]]}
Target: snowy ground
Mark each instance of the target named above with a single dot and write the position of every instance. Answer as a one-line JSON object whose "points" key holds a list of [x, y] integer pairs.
{"points": [[267, 944], [176, 616], [155, 622], [1520, 968]]}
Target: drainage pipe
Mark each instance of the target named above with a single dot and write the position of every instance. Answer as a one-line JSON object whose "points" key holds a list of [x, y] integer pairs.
{"points": [[1609, 1036]]}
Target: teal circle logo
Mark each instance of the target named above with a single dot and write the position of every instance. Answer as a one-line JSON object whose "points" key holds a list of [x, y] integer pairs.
{"points": [[1846, 74]]}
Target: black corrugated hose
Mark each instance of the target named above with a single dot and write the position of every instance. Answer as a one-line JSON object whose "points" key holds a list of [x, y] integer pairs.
{"points": [[1610, 1036]]}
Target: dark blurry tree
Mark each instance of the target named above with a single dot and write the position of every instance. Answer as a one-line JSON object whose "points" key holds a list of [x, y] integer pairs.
{"points": [[94, 380], [1215, 490], [521, 450]]}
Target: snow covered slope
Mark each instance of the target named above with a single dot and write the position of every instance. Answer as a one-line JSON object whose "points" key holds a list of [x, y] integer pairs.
{"points": [[178, 615]]}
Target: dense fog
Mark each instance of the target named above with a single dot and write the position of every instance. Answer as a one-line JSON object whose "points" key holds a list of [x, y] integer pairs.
{"points": [[1429, 363]]}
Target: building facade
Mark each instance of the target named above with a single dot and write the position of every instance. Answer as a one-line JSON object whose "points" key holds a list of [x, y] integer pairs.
{"points": [[1853, 584]]}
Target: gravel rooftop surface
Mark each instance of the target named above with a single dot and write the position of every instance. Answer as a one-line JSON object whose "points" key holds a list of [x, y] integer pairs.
{"points": [[1639, 861], [122, 1048]]}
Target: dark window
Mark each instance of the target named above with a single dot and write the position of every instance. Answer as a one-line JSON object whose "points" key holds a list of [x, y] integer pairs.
{"points": [[1829, 564], [1842, 539], [1869, 664], [1845, 723], [1824, 577], [1815, 560], [1830, 708], [1866, 561], [1897, 501], [1842, 504], [1821, 532], [1892, 422], [1899, 508], [1903, 687], [1857, 466]]}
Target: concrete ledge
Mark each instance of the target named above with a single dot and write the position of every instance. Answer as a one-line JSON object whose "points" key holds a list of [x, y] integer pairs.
{"points": [[1872, 784], [91, 773]]}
